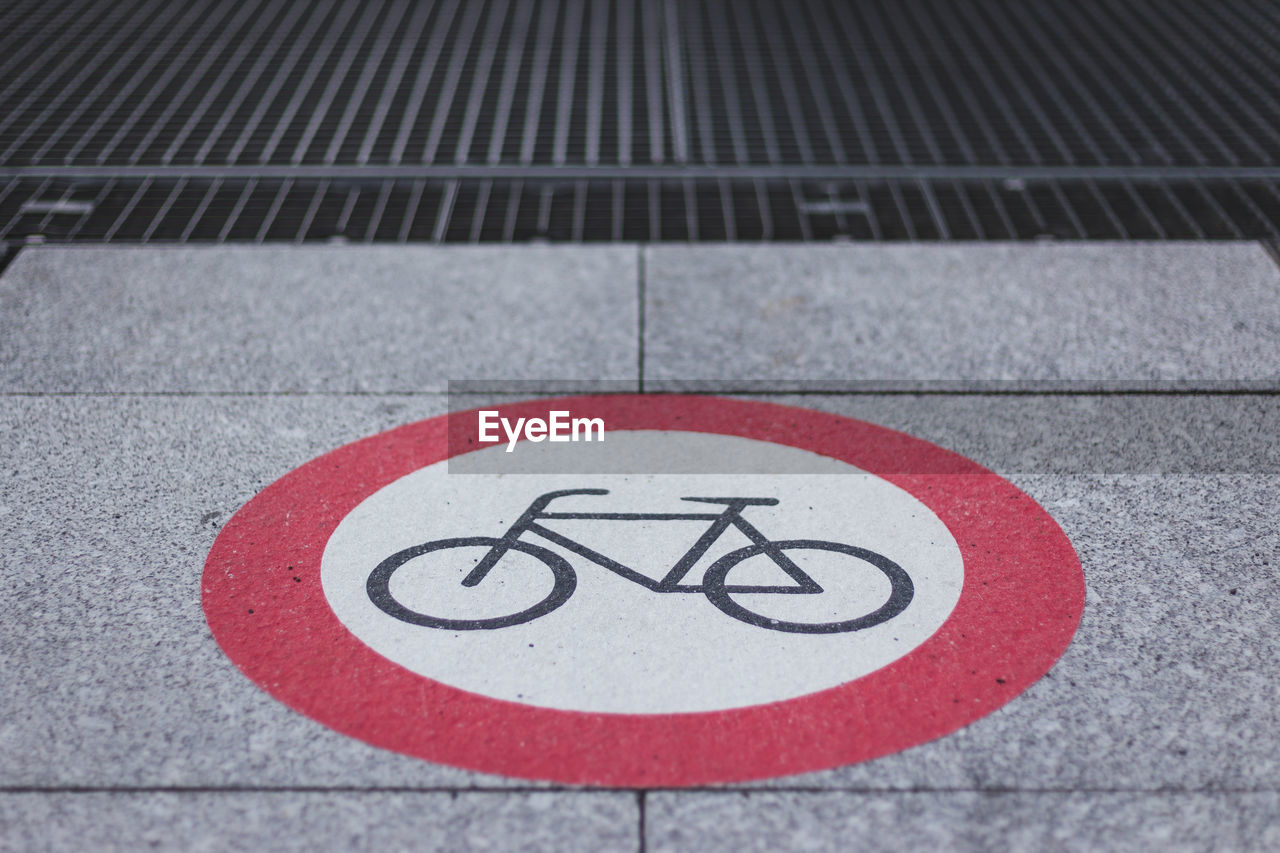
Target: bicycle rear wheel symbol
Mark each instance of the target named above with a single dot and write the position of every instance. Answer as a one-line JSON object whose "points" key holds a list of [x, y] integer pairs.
{"points": [[715, 585]]}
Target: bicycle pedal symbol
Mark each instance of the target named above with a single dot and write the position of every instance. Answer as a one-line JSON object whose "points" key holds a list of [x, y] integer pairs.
{"points": [[715, 583]]}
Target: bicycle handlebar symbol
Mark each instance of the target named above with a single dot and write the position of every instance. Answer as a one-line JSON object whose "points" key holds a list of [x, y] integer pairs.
{"points": [[714, 586]]}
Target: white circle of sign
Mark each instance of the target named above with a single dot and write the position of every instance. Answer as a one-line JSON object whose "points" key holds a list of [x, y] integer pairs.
{"points": [[617, 644]]}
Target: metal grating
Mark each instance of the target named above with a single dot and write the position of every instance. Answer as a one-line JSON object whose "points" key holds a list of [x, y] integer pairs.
{"points": [[478, 120], [257, 210]]}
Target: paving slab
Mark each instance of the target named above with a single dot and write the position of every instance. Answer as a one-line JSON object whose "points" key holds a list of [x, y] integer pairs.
{"points": [[109, 507], [1014, 312], [1043, 821], [1169, 681], [267, 820], [112, 502], [1071, 434], [329, 318]]}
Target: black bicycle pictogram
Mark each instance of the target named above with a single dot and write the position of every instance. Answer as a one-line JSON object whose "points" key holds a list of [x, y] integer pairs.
{"points": [[714, 586]]}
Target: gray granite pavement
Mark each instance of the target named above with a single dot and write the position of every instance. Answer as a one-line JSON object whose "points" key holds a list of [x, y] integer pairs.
{"points": [[367, 318], [112, 503], [964, 821], [318, 821], [123, 725], [1130, 312]]}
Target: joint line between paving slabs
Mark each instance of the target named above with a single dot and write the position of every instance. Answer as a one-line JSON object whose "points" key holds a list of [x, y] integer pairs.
{"points": [[641, 794], [642, 840]]}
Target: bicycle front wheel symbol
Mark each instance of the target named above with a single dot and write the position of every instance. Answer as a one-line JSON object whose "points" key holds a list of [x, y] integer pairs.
{"points": [[722, 593]]}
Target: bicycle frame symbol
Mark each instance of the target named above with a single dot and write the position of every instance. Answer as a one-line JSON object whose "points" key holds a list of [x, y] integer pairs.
{"points": [[714, 586]]}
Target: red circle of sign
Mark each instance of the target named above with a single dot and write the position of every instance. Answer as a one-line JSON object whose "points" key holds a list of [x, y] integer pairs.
{"points": [[1019, 606]]}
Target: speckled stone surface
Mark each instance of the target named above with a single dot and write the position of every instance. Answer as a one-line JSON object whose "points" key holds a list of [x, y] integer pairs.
{"points": [[1158, 729], [110, 507], [1169, 681], [337, 821], [111, 504], [329, 318], [1081, 434], [1072, 311], [964, 821]]}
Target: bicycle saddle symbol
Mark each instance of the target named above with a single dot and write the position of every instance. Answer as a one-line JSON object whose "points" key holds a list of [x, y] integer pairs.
{"points": [[715, 583]]}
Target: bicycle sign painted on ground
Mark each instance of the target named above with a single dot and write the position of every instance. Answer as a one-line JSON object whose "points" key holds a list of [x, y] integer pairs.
{"points": [[743, 590], [714, 584]]}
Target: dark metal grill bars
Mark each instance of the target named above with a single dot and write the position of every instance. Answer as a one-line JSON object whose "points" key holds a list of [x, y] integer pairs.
{"points": [[638, 119]]}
